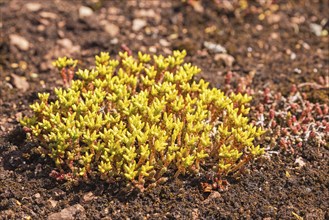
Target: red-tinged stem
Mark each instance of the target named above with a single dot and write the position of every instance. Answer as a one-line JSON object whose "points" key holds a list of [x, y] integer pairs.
{"points": [[70, 74], [64, 76], [126, 49]]}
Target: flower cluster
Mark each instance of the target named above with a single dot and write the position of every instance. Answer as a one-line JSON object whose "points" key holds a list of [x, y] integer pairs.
{"points": [[134, 119]]}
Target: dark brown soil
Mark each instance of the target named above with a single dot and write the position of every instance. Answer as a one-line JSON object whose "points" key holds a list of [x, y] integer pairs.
{"points": [[272, 39]]}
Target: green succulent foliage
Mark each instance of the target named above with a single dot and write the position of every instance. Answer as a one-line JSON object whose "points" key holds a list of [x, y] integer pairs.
{"points": [[134, 119], [63, 62]]}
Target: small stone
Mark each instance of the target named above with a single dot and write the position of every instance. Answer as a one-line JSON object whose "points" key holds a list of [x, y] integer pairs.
{"points": [[67, 43], [111, 29], [52, 203], [149, 13], [45, 66], [88, 197], [293, 56], [20, 82], [153, 49], [49, 15], [195, 214], [19, 42], [18, 116], [33, 6], [275, 36], [14, 65], [306, 46], [298, 20], [67, 46], [197, 6], [44, 21], [138, 24], [316, 29], [213, 195], [164, 43], [58, 193], [37, 195], [113, 10], [114, 41], [41, 28], [273, 18], [217, 48], [69, 213], [226, 58], [85, 11], [167, 51], [22, 65], [300, 162]]}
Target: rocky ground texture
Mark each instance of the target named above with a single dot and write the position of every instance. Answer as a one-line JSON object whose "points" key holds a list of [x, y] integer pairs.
{"points": [[275, 50]]}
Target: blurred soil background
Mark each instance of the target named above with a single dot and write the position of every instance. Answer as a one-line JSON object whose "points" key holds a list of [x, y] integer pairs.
{"points": [[269, 45]]}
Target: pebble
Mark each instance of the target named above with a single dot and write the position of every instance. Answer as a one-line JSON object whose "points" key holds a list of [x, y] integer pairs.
{"points": [[195, 214], [44, 21], [275, 36], [41, 28], [20, 82], [32, 6], [69, 213], [58, 193], [150, 13], [68, 46], [52, 203], [88, 197], [153, 49], [45, 66], [197, 6], [67, 43], [37, 195], [274, 18], [226, 58], [19, 42], [85, 11], [213, 195], [316, 29], [217, 48], [49, 15], [114, 41], [167, 51], [164, 43], [111, 29], [300, 162], [293, 56], [138, 24]]}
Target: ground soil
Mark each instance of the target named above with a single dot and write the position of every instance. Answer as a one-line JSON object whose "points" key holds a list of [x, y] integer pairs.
{"points": [[271, 39]]}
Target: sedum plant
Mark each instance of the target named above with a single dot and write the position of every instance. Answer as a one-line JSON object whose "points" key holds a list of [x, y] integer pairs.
{"points": [[136, 119]]}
